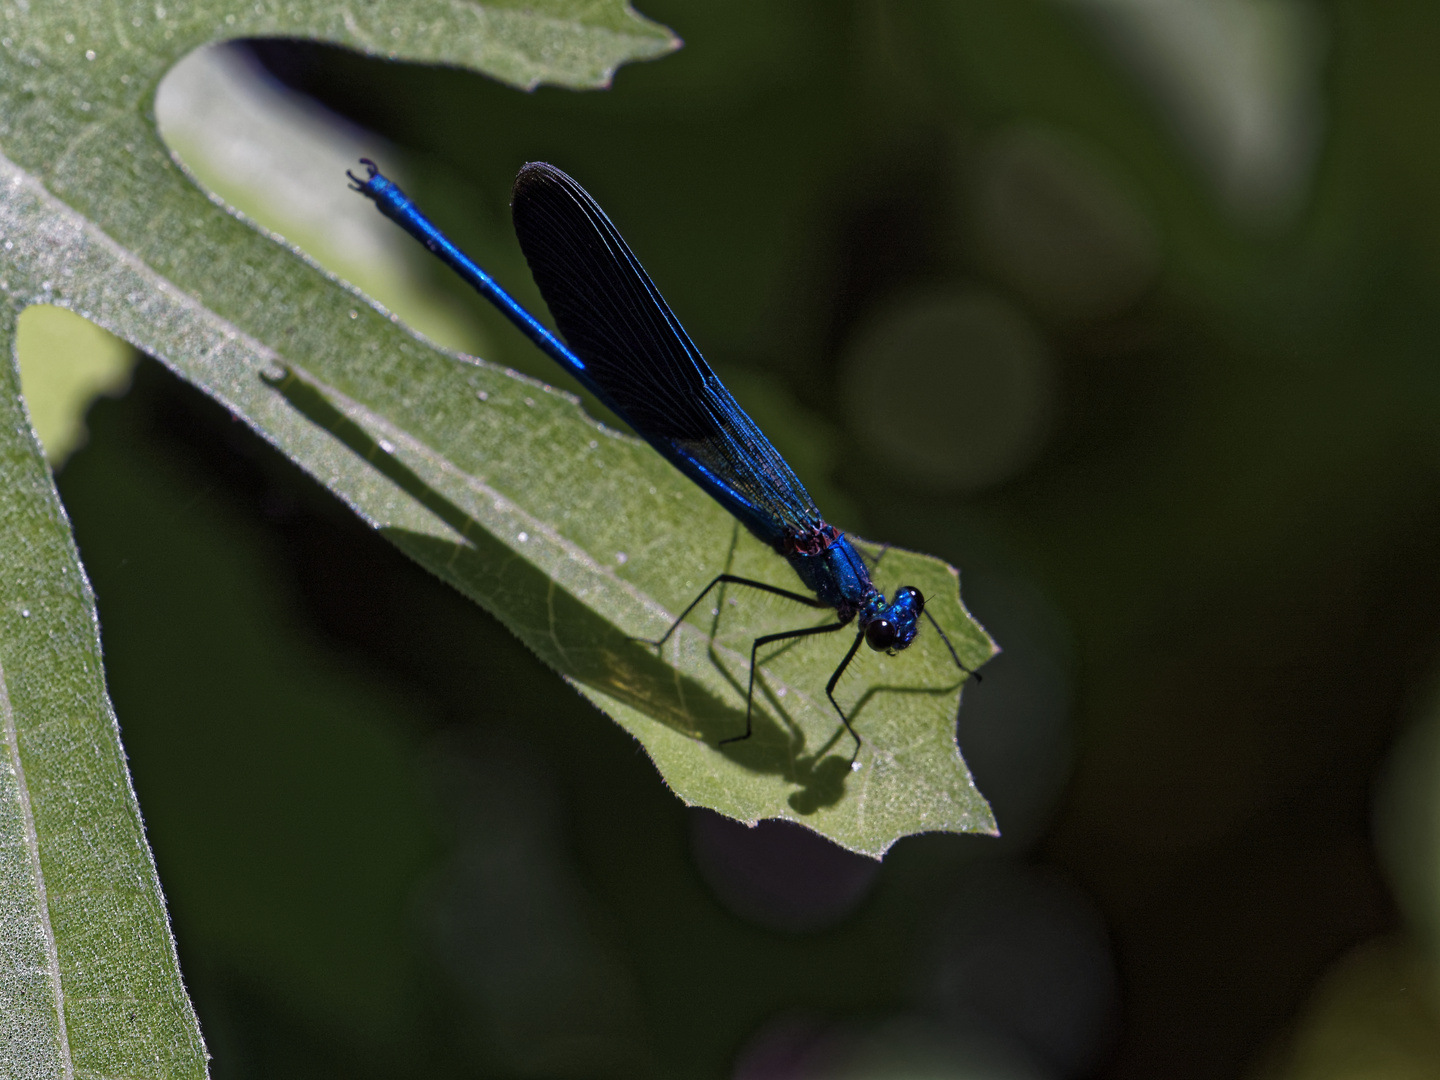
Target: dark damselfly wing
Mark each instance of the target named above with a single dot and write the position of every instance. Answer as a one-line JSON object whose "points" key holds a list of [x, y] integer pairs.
{"points": [[641, 361]]}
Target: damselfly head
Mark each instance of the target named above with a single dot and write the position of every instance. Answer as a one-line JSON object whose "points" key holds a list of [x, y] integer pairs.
{"points": [[893, 626]]}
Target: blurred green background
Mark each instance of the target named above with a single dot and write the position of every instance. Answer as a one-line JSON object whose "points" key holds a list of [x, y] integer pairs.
{"points": [[1129, 310]]}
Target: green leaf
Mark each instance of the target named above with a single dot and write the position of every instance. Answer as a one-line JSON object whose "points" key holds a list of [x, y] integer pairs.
{"points": [[575, 536], [89, 982]]}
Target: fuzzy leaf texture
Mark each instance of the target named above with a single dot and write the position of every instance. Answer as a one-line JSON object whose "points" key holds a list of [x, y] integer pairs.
{"points": [[575, 536]]}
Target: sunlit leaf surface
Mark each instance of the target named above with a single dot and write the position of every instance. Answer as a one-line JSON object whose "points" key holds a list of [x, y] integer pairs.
{"points": [[96, 217], [577, 537], [89, 983]]}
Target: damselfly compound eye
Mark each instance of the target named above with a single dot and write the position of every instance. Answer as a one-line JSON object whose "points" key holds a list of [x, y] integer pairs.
{"points": [[880, 634]]}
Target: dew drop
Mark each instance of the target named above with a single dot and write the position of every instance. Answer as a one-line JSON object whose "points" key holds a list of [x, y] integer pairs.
{"points": [[621, 558], [523, 537], [482, 395]]}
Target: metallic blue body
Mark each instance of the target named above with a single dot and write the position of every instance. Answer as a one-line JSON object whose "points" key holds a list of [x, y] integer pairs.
{"points": [[396, 205], [715, 443]]}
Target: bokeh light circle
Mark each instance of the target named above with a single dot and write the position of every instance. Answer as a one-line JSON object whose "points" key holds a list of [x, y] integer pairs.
{"points": [[953, 386], [1059, 224]]}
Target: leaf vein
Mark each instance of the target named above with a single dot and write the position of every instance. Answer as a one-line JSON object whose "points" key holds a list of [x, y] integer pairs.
{"points": [[32, 846]]}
